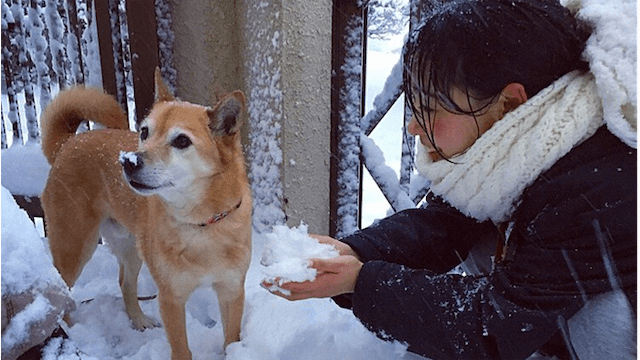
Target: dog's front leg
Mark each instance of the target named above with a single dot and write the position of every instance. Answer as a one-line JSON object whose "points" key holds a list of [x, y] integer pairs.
{"points": [[231, 302], [172, 310]]}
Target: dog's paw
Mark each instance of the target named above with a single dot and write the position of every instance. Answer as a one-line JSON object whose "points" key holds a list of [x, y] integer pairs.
{"points": [[143, 322]]}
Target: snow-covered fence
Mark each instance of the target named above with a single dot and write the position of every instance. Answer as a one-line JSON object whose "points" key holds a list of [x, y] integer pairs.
{"points": [[49, 45], [349, 40], [351, 145]]}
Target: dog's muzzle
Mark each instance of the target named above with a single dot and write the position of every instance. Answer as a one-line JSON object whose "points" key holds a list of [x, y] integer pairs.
{"points": [[132, 164]]}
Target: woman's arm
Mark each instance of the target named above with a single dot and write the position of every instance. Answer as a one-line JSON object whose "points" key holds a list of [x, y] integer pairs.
{"points": [[437, 237]]}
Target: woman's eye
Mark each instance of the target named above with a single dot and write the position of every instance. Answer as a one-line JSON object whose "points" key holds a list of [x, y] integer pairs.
{"points": [[144, 133], [181, 142]]}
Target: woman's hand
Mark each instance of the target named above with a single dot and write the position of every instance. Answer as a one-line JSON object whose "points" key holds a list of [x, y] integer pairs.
{"points": [[335, 276], [342, 248]]}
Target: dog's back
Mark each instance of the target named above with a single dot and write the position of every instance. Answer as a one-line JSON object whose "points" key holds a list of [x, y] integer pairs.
{"points": [[80, 179]]}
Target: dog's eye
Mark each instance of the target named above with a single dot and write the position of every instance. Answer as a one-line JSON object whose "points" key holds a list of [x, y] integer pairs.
{"points": [[144, 133], [181, 142]]}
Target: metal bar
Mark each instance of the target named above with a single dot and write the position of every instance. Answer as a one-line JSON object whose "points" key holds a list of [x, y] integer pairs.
{"points": [[395, 194], [384, 101], [141, 18], [103, 22], [347, 86]]}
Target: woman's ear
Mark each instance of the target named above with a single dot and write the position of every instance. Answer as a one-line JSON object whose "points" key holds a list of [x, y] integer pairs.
{"points": [[513, 96]]}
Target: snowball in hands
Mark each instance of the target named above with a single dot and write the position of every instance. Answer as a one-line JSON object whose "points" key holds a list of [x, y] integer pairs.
{"points": [[287, 255]]}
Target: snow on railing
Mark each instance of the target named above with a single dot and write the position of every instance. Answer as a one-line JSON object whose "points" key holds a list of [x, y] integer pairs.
{"points": [[409, 190], [390, 93], [348, 172], [44, 48], [49, 45]]}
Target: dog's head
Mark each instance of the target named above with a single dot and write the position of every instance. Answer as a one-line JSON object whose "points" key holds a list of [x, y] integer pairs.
{"points": [[182, 146]]}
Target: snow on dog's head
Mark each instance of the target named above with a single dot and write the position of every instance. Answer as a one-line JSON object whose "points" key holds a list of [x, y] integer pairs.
{"points": [[287, 253]]}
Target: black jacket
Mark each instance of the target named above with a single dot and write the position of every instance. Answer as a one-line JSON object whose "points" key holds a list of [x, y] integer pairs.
{"points": [[573, 236]]}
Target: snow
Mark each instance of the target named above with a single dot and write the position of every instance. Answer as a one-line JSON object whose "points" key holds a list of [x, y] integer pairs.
{"points": [[24, 169], [383, 57], [348, 172], [287, 254], [265, 111], [18, 330], [128, 156], [23, 251], [374, 159]]}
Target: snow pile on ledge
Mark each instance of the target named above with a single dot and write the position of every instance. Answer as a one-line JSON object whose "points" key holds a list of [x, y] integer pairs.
{"points": [[24, 170], [32, 290], [287, 253], [23, 252]]}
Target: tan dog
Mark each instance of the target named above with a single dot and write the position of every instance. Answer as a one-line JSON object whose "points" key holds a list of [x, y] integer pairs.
{"points": [[181, 199]]}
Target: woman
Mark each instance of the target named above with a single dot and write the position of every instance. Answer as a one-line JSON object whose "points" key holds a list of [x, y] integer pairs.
{"points": [[512, 137]]}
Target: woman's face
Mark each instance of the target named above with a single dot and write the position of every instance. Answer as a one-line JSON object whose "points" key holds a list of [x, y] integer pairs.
{"points": [[452, 133]]}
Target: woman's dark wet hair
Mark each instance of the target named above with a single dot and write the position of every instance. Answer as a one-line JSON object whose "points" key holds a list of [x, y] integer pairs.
{"points": [[480, 46]]}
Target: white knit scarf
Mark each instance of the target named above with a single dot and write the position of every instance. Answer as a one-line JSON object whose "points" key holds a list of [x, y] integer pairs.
{"points": [[488, 179]]}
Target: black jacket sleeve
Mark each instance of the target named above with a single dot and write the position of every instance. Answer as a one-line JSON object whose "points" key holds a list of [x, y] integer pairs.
{"points": [[437, 237]]}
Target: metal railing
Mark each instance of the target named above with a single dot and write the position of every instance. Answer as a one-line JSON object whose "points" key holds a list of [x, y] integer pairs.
{"points": [[351, 127]]}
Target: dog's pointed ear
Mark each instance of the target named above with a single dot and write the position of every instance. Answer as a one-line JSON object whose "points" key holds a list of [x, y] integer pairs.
{"points": [[225, 117], [162, 91]]}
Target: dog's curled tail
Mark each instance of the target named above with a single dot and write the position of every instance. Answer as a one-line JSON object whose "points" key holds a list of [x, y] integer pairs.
{"points": [[65, 113]]}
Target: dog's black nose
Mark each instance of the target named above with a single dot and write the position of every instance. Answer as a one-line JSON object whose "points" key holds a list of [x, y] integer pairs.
{"points": [[131, 163]]}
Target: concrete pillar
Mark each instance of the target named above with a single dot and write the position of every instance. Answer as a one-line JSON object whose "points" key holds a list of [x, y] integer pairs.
{"points": [[279, 54], [208, 48], [306, 77]]}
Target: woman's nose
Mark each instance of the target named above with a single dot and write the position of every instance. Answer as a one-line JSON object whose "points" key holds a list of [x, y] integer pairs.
{"points": [[414, 128]]}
